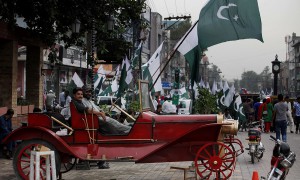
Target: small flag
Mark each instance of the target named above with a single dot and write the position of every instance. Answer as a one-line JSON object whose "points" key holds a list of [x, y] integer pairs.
{"points": [[77, 80]]}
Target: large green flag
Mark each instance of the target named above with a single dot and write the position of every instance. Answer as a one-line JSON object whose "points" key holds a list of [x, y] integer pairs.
{"points": [[228, 20], [219, 21], [188, 46]]}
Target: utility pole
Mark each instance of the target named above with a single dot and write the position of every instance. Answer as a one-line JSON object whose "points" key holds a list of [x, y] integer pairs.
{"points": [[177, 17], [136, 41]]}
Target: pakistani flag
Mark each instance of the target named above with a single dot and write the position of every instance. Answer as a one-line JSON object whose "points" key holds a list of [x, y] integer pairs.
{"points": [[188, 46], [137, 56], [221, 85], [220, 100], [100, 79], [229, 96], [202, 84], [221, 96], [106, 92], [208, 87], [228, 20], [151, 70], [220, 21], [214, 88], [77, 80], [238, 107], [110, 89], [184, 94], [126, 77]]}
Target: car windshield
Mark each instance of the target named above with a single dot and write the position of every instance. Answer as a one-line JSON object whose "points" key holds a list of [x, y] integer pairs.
{"points": [[107, 100], [144, 95]]}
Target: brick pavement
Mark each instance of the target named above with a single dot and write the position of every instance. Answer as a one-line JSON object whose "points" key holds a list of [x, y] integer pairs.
{"points": [[162, 171]]}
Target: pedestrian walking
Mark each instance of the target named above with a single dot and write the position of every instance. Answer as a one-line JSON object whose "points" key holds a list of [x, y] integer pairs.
{"points": [[5, 130], [50, 97], [62, 98], [268, 116], [256, 108], [260, 113], [279, 114], [289, 114], [296, 112]]}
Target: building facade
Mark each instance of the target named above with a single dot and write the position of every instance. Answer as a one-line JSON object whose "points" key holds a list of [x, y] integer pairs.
{"points": [[293, 64]]}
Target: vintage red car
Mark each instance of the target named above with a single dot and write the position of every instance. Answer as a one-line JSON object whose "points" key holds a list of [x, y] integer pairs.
{"points": [[205, 139]]}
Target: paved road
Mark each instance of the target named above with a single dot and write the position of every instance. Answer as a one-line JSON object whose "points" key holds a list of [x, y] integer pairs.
{"points": [[162, 171]]}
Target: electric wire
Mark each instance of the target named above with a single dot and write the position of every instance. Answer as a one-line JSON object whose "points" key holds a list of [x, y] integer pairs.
{"points": [[167, 7], [176, 7], [154, 7], [185, 12]]}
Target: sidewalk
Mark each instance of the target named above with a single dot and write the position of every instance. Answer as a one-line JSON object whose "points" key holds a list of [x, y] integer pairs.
{"points": [[162, 171]]}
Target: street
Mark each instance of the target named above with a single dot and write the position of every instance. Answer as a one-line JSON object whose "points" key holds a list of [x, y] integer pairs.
{"points": [[162, 171]]}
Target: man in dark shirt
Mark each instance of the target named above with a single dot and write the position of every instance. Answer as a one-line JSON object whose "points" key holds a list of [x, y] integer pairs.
{"points": [[6, 128], [158, 109]]}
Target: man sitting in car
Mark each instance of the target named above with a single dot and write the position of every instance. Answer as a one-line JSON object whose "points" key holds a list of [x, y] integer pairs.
{"points": [[107, 124]]}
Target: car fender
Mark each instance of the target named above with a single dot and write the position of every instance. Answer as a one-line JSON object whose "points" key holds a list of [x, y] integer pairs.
{"points": [[37, 132], [195, 138]]}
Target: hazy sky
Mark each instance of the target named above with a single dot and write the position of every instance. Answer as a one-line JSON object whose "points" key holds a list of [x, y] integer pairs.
{"points": [[279, 18]]}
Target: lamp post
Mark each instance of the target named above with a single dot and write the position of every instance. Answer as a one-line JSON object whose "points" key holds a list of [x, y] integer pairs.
{"points": [[110, 27], [275, 70], [76, 26]]}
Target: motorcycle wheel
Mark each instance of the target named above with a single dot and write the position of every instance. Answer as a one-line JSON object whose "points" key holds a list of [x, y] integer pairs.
{"points": [[260, 155], [252, 158], [275, 175]]}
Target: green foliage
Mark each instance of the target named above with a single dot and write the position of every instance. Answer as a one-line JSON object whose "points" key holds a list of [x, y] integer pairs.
{"points": [[250, 81], [135, 106], [206, 102], [178, 31], [254, 82], [53, 19], [105, 108], [214, 74]]}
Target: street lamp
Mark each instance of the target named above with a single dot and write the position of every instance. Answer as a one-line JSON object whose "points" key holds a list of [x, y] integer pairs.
{"points": [[275, 70], [110, 23], [76, 26]]}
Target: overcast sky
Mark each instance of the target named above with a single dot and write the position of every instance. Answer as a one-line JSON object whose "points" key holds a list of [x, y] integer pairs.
{"points": [[279, 18]]}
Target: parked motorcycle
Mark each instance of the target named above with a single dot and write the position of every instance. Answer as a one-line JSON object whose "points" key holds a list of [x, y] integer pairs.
{"points": [[282, 160], [256, 148]]}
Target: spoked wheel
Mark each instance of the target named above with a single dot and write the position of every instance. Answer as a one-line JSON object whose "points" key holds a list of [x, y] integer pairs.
{"points": [[215, 161], [21, 161], [67, 164]]}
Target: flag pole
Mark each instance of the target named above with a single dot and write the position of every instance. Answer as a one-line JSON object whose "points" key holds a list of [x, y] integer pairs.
{"points": [[172, 54]]}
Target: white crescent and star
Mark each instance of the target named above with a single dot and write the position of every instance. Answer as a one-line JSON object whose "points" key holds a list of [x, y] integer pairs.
{"points": [[219, 13]]}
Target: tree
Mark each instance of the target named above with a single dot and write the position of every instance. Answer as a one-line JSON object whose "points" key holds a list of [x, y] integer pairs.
{"points": [[214, 74], [266, 78], [52, 20], [236, 83], [250, 81], [178, 31], [206, 103]]}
